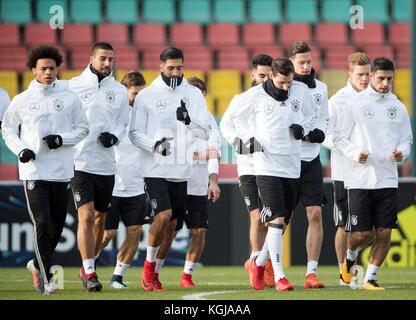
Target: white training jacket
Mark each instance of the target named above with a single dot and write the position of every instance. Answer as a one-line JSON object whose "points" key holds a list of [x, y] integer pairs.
{"points": [[4, 102], [310, 150], [378, 123], [269, 121], [335, 103], [154, 117], [198, 183], [39, 111], [128, 179], [233, 126], [106, 106]]}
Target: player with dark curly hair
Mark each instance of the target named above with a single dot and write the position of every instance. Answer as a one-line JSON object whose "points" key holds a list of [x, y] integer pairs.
{"points": [[41, 126]]}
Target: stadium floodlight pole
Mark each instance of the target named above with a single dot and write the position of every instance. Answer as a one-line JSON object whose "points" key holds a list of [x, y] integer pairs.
{"points": [[413, 77]]}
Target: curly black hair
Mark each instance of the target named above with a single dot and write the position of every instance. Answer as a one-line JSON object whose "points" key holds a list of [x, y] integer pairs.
{"points": [[43, 52]]}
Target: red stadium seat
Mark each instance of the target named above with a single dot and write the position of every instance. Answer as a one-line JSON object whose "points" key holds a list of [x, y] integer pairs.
{"points": [[233, 59], [337, 57], [39, 33], [197, 58], [403, 55], [126, 57], [273, 51], [399, 33], [13, 58], [80, 56], [372, 34], [291, 32], [149, 34], [255, 34], [9, 34], [186, 34], [8, 172], [223, 34], [151, 57], [331, 34], [114, 33], [77, 34], [378, 51]]}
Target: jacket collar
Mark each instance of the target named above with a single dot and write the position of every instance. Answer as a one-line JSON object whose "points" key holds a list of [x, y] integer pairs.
{"points": [[159, 82], [374, 95], [90, 76], [43, 88]]}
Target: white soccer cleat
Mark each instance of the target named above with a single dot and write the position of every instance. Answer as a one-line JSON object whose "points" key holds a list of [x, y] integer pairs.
{"points": [[117, 285]]}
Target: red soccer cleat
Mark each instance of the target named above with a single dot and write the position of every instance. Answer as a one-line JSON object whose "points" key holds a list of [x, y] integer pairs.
{"points": [[146, 280], [157, 283], [249, 270], [312, 282], [257, 276], [186, 280], [283, 285], [269, 274]]}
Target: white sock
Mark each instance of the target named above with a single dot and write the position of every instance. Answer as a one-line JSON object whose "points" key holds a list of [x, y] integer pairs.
{"points": [[352, 254], [275, 244], [120, 268], [312, 266], [88, 265], [371, 273], [264, 255], [151, 253], [340, 267], [254, 254], [159, 265], [189, 267]]}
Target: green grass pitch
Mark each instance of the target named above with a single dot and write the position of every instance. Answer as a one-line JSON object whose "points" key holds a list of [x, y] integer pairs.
{"points": [[213, 283]]}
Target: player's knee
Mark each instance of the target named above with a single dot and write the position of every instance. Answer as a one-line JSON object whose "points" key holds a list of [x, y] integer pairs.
{"points": [[382, 233], [314, 215], [86, 219], [360, 237], [109, 235], [134, 231], [198, 232]]}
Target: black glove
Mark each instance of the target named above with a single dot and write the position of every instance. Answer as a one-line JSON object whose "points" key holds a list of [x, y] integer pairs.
{"points": [[162, 146], [240, 147], [253, 145], [26, 155], [297, 131], [53, 141], [182, 114], [316, 135], [108, 139]]}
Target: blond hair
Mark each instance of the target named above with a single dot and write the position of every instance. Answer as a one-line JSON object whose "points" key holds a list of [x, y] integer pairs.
{"points": [[358, 59]]}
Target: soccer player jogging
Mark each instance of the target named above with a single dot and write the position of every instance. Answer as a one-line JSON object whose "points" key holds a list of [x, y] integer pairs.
{"points": [[278, 114], [358, 80], [41, 126], [106, 104], [261, 67], [203, 182], [129, 200], [311, 189], [167, 116], [373, 133]]}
